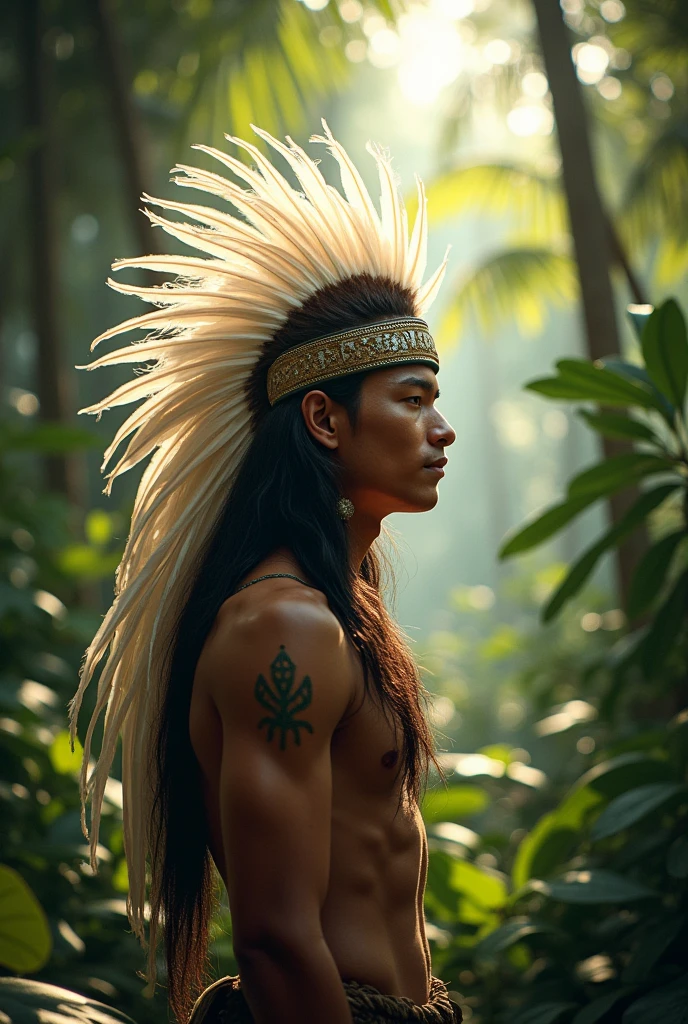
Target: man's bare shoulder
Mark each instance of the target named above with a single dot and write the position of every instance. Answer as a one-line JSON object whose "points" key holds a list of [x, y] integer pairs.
{"points": [[248, 637]]}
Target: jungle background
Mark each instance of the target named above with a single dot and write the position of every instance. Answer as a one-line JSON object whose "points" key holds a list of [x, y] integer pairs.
{"points": [[553, 139]]}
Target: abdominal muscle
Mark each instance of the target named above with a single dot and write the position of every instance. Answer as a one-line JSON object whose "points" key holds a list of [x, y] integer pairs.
{"points": [[371, 919]]}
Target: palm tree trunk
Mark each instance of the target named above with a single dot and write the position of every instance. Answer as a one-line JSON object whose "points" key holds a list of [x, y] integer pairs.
{"points": [[131, 137], [52, 382], [592, 236]]}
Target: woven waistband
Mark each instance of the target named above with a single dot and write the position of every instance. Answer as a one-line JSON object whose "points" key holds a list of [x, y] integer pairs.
{"points": [[223, 1003]]}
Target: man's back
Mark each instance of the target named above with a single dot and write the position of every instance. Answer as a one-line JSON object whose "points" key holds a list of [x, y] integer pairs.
{"points": [[301, 773]]}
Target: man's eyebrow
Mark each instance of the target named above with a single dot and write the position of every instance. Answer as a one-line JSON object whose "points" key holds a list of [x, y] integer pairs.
{"points": [[418, 382]]}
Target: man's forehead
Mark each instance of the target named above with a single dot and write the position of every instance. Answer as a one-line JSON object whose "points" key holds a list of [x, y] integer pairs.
{"points": [[411, 374]]}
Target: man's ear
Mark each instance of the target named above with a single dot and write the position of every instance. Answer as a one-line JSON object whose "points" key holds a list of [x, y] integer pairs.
{"points": [[323, 418]]}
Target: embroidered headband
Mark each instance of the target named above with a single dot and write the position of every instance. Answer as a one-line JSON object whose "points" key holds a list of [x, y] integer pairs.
{"points": [[390, 343]]}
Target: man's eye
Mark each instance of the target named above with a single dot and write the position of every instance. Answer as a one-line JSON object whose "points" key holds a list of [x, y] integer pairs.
{"points": [[413, 398]]}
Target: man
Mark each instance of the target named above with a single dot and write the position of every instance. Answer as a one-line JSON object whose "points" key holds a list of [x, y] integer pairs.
{"points": [[270, 709]]}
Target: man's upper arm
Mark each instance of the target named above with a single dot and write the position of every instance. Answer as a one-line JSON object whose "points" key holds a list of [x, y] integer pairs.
{"points": [[281, 683]]}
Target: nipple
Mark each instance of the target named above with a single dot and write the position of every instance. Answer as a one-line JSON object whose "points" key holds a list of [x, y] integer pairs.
{"points": [[390, 758]]}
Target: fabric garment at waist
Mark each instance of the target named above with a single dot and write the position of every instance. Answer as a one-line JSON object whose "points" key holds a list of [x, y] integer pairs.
{"points": [[223, 1002]]}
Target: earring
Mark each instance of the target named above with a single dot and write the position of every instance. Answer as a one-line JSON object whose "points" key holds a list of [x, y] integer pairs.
{"points": [[345, 508]]}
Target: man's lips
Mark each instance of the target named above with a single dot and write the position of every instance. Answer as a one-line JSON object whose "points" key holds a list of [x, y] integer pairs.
{"points": [[437, 466]]}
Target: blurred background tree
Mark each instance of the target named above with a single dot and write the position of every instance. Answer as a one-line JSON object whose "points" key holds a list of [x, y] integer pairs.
{"points": [[100, 100]]}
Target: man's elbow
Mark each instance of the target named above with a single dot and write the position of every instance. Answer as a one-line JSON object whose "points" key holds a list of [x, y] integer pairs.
{"points": [[289, 945]]}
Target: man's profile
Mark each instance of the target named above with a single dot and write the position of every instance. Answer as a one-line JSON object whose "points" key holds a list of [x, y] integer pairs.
{"points": [[271, 712]]}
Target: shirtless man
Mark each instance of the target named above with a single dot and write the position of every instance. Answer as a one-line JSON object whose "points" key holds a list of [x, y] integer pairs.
{"points": [[325, 871], [273, 729]]}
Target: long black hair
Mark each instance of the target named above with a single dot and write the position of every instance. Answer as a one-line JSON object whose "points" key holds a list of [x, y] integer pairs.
{"points": [[284, 495]]}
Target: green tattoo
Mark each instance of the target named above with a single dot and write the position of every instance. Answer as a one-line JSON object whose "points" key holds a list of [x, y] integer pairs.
{"points": [[281, 701]]}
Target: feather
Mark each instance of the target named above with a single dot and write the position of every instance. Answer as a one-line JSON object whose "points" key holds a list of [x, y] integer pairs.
{"points": [[192, 424]]}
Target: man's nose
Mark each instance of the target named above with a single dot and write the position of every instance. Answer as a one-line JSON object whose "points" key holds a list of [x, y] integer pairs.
{"points": [[443, 432]]}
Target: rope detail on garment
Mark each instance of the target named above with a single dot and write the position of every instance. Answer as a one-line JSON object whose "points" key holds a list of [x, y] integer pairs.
{"points": [[224, 1003]]}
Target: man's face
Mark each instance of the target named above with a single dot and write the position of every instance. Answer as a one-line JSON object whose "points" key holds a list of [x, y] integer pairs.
{"points": [[398, 433]]}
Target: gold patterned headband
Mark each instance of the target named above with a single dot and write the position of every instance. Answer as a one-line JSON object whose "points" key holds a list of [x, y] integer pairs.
{"points": [[390, 343]]}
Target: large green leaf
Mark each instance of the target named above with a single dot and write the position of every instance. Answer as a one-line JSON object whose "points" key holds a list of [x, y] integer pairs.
{"points": [[651, 572], [544, 1013], [666, 1005], [544, 526], [597, 886], [609, 476], [454, 803], [34, 1002], [603, 385], [554, 838], [653, 941], [508, 934], [621, 773], [583, 567], [630, 807], [639, 373], [666, 626], [677, 858], [598, 1008], [25, 940], [620, 427], [665, 351], [47, 439], [486, 890]]}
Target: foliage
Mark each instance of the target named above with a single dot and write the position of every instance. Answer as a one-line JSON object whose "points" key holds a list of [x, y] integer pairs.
{"points": [[66, 926], [580, 914]]}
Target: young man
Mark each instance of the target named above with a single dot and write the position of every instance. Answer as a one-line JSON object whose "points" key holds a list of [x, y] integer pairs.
{"points": [[270, 709]]}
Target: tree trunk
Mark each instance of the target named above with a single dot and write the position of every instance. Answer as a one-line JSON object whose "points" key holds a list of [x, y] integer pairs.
{"points": [[52, 382], [592, 233], [131, 138]]}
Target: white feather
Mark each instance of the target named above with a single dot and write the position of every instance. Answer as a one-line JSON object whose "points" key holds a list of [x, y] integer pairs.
{"points": [[193, 423]]}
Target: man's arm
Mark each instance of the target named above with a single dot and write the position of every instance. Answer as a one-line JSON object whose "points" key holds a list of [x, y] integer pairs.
{"points": [[281, 685]]}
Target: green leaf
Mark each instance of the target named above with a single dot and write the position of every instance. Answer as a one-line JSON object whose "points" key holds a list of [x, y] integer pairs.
{"points": [[666, 626], [34, 1002], [488, 891], [438, 891], [597, 886], [665, 351], [548, 845], [48, 439], [639, 373], [651, 572], [653, 942], [61, 757], [597, 1009], [613, 474], [630, 807], [603, 385], [581, 569], [677, 858], [668, 1005], [25, 940], [454, 803], [507, 934], [544, 526], [543, 1013], [620, 427]]}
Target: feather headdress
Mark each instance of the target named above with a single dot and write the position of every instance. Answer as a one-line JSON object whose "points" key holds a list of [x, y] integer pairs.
{"points": [[204, 340]]}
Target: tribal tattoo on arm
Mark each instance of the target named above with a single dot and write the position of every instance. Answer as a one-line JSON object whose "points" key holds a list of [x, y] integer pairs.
{"points": [[283, 700]]}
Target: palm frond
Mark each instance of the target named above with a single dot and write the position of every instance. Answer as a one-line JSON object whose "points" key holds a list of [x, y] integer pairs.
{"points": [[517, 284], [656, 199], [270, 69], [533, 202]]}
